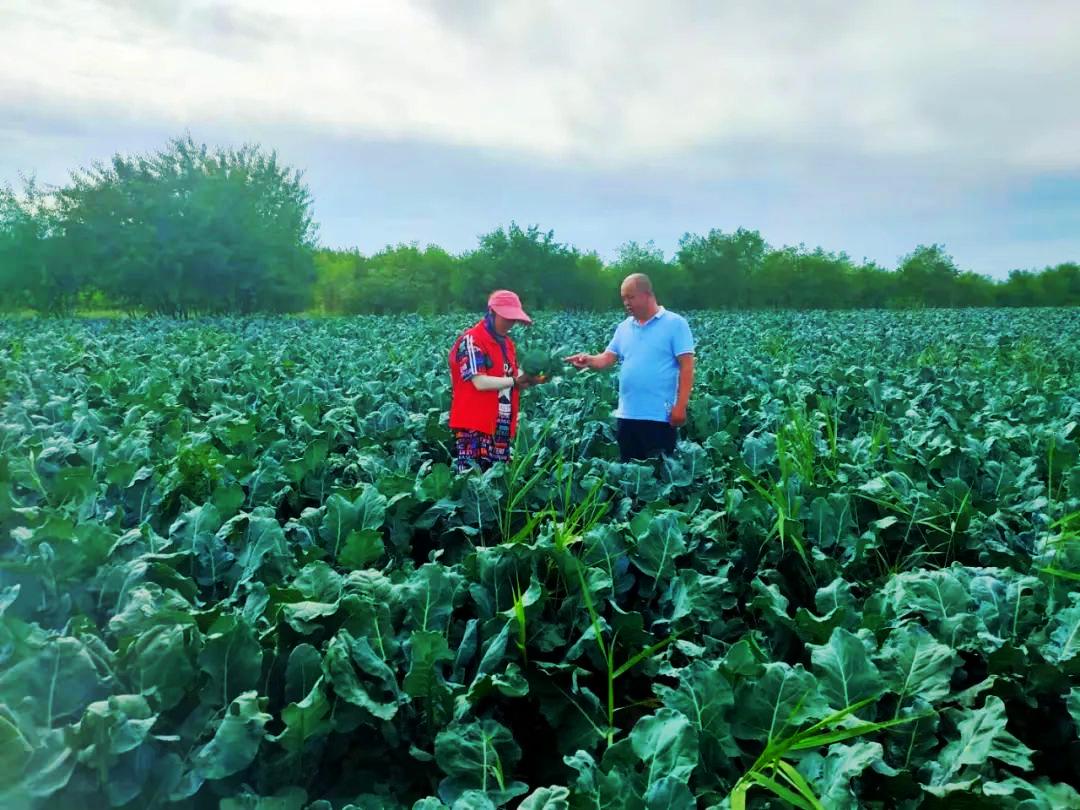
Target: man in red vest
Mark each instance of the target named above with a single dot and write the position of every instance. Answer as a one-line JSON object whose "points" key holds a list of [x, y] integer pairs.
{"points": [[486, 382]]}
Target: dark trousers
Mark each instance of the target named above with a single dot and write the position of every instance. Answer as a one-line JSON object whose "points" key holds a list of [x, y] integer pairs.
{"points": [[643, 438]]}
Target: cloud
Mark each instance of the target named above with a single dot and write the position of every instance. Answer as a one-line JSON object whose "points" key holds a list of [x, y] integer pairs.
{"points": [[963, 85], [867, 126]]}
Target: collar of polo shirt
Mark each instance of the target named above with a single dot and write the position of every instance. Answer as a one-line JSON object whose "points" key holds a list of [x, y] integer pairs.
{"points": [[659, 312]]}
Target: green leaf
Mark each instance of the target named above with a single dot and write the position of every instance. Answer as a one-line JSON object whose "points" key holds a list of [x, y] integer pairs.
{"points": [[845, 672], [15, 752], [341, 518], [304, 720], [781, 697], [163, 659], [368, 616], [1041, 794], [830, 521], [429, 596], [306, 617], [1073, 704], [770, 603], [831, 774], [610, 790], [196, 527], [1064, 643], [982, 736], [357, 521], [759, 451], [319, 582], [699, 595], [371, 508], [47, 771], [302, 671], [232, 657], [111, 727], [546, 798], [941, 598], [62, 678], [656, 549], [149, 605], [362, 548], [836, 608], [236, 741], [704, 696], [289, 798], [264, 543], [915, 665], [359, 676], [667, 743], [479, 755], [669, 793], [424, 681]]}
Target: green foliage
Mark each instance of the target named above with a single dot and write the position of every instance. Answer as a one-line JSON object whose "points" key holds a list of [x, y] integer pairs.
{"points": [[182, 230], [34, 270], [236, 570], [190, 229], [720, 267]]}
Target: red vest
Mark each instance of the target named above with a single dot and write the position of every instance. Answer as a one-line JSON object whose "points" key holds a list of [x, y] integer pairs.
{"points": [[478, 410]]}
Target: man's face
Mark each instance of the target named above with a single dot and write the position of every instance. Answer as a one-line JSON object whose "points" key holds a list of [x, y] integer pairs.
{"points": [[634, 301]]}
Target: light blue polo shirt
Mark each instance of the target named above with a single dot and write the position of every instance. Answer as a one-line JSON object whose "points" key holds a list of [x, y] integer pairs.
{"points": [[649, 367]]}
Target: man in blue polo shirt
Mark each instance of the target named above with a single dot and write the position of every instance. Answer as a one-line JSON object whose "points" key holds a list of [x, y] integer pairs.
{"points": [[656, 353]]}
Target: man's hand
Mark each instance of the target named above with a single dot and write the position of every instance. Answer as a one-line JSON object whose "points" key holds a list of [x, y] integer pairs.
{"points": [[579, 360], [678, 415]]}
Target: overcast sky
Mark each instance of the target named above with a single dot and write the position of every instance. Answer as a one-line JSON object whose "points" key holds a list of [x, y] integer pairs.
{"points": [[858, 126]]}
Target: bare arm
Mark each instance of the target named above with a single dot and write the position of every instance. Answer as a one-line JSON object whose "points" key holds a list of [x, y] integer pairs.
{"points": [[600, 361], [686, 382], [486, 382], [686, 378]]}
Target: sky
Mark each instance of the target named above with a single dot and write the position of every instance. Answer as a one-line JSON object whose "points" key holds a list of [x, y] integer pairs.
{"points": [[864, 127]]}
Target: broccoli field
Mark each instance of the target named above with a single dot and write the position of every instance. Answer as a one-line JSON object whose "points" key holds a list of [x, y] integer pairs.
{"points": [[236, 570]]}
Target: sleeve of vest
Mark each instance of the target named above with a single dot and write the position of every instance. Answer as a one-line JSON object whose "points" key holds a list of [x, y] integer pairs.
{"points": [[472, 360]]}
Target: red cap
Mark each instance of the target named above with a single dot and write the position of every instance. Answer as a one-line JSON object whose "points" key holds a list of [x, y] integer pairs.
{"points": [[508, 305]]}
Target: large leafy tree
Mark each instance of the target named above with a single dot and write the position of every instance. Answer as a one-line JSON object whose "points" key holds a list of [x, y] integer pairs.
{"points": [[928, 275], [191, 229], [33, 271], [721, 267], [406, 278], [527, 260], [668, 278]]}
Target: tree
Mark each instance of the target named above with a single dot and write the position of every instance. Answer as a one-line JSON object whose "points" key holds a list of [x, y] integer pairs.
{"points": [[528, 261], [1060, 286], [928, 276], [188, 229], [720, 267], [338, 281], [668, 278], [407, 279], [34, 272], [871, 286], [973, 290]]}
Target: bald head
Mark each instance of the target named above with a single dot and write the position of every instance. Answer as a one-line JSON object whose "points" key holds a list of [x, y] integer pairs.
{"points": [[639, 282], [637, 296]]}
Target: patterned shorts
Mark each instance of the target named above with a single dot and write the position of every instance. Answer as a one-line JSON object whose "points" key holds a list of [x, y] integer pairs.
{"points": [[481, 449]]}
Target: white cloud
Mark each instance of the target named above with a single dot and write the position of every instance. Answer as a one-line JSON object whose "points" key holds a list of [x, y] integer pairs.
{"points": [[960, 87]]}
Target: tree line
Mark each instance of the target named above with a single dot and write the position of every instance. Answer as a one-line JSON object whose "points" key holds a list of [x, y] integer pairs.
{"points": [[189, 229]]}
